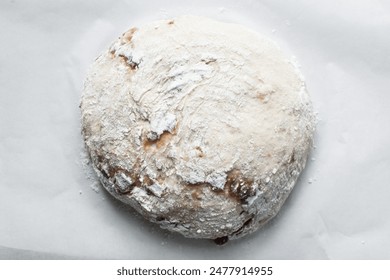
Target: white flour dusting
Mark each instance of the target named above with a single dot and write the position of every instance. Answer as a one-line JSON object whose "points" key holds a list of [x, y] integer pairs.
{"points": [[201, 126]]}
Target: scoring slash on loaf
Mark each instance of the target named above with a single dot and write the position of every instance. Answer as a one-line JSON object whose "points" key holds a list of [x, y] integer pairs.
{"points": [[202, 126]]}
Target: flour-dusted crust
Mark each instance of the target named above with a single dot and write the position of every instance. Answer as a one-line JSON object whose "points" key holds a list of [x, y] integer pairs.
{"points": [[203, 127]]}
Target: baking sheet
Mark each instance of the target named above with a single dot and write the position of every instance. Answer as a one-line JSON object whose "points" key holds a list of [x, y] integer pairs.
{"points": [[51, 206]]}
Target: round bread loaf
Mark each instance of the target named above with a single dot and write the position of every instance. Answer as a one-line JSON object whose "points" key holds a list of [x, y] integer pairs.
{"points": [[202, 126]]}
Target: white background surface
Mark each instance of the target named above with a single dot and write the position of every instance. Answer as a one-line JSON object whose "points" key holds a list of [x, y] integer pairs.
{"points": [[50, 207]]}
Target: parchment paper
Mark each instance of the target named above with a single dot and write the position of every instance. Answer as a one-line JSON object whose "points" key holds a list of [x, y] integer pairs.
{"points": [[51, 206]]}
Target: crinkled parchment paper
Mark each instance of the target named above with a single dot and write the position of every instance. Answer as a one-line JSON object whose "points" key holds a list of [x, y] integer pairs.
{"points": [[50, 203]]}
